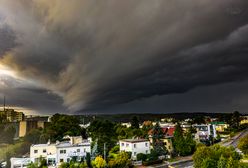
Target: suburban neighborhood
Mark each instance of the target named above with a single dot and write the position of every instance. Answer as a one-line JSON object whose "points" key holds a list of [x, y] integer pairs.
{"points": [[63, 141]]}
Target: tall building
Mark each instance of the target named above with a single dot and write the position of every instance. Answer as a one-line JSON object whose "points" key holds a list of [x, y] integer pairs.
{"points": [[10, 115]]}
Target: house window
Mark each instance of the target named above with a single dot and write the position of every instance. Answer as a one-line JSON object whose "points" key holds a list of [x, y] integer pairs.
{"points": [[122, 144], [44, 150], [61, 160], [134, 153], [134, 145], [68, 160], [146, 151], [146, 144], [35, 151], [62, 151], [127, 145], [78, 150], [84, 149]]}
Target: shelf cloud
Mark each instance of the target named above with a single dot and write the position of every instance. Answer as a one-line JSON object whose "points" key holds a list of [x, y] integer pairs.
{"points": [[93, 55]]}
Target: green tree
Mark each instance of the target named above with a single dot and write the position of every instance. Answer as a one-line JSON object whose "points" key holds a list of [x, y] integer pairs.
{"points": [[157, 143], [199, 120], [99, 162], [146, 127], [190, 142], [36, 136], [135, 122], [222, 163], [231, 163], [208, 163], [62, 125], [88, 160], [183, 145], [179, 142], [215, 154], [235, 120], [141, 156], [120, 161], [103, 132], [243, 144]]}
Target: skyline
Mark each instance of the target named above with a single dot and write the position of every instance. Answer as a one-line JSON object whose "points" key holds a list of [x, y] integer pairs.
{"points": [[124, 57]]}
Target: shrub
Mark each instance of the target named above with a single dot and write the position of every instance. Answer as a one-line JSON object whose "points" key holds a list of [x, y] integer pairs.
{"points": [[141, 156]]}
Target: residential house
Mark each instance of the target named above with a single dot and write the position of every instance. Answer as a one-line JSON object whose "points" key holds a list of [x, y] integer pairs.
{"points": [[59, 152], [220, 126], [244, 120], [135, 146], [167, 137], [205, 132], [20, 162]]}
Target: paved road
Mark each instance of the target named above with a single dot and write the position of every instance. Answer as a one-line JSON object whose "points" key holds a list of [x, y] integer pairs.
{"points": [[234, 143], [185, 165]]}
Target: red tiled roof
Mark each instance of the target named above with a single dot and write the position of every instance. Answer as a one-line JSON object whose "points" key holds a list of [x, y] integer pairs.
{"points": [[167, 131], [170, 131]]}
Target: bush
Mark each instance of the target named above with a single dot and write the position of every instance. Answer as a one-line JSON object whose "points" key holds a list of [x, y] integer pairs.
{"points": [[152, 156], [141, 156], [115, 149]]}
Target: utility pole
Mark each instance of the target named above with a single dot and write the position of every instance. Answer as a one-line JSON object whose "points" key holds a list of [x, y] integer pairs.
{"points": [[4, 103], [104, 148]]}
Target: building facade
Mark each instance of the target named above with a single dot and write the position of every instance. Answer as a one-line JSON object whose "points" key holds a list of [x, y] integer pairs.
{"points": [[10, 115], [220, 126], [205, 132], [135, 146], [60, 152]]}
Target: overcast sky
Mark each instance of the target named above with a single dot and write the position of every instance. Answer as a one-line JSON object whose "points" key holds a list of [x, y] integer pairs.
{"points": [[113, 56]]}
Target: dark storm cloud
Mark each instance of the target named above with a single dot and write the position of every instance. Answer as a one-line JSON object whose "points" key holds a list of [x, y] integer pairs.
{"points": [[226, 98], [28, 97], [95, 54], [7, 38]]}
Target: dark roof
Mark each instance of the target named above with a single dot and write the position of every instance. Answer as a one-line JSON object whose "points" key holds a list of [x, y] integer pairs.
{"points": [[134, 140]]}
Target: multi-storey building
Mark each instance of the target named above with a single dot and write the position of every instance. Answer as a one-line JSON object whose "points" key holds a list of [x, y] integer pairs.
{"points": [[59, 152], [11, 115]]}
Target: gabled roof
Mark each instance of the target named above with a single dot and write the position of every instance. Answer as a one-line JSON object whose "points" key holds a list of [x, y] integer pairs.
{"points": [[133, 140], [167, 131]]}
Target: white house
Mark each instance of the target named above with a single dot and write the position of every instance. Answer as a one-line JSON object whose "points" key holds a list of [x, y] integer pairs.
{"points": [[66, 151], [20, 162], [205, 131], [135, 146], [42, 150], [59, 152]]}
